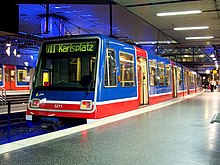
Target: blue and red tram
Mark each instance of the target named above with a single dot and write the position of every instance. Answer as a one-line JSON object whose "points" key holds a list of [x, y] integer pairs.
{"points": [[160, 79], [95, 76], [14, 77], [199, 83]]}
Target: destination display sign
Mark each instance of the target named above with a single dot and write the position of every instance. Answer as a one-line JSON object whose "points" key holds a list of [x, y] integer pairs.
{"points": [[72, 47]]}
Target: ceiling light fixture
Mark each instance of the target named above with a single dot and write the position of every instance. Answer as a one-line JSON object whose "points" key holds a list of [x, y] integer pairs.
{"points": [[191, 28], [198, 38], [179, 13], [8, 44], [61, 7], [155, 42]]}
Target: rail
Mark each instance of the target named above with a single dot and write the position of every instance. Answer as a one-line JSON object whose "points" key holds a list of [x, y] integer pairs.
{"points": [[2, 96]]}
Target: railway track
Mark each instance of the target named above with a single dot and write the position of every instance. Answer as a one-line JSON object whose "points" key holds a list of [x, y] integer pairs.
{"points": [[14, 126], [15, 119], [18, 128]]}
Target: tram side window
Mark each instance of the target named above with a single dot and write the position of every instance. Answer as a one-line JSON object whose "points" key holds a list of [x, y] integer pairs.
{"points": [[191, 79], [161, 73], [185, 78], [127, 69], [1, 75], [110, 69], [199, 81], [45, 74], [191, 76], [179, 81], [153, 68], [12, 75], [168, 75], [194, 79], [23, 75]]}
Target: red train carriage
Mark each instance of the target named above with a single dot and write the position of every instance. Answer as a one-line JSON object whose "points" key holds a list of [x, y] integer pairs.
{"points": [[14, 77]]}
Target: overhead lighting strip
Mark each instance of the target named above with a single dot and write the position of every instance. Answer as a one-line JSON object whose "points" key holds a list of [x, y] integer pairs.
{"points": [[191, 28], [179, 13], [198, 38], [155, 42]]}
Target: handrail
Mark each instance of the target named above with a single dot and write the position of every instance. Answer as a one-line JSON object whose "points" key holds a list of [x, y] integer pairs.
{"points": [[2, 96]]}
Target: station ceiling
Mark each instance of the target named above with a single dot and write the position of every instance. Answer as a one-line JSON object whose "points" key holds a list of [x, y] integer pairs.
{"points": [[134, 21]]}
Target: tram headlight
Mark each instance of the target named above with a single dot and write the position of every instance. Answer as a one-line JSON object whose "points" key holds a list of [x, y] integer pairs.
{"points": [[86, 104], [35, 103]]}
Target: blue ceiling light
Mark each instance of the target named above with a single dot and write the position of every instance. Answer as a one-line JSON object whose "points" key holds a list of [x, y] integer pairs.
{"points": [[62, 7], [68, 12], [86, 15]]}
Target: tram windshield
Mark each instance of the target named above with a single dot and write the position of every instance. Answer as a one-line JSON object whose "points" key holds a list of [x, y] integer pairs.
{"points": [[67, 66]]}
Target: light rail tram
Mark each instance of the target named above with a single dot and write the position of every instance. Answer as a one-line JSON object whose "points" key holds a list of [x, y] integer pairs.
{"points": [[94, 76]]}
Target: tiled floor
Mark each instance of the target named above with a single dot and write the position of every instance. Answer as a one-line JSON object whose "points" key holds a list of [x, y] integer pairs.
{"points": [[178, 134]]}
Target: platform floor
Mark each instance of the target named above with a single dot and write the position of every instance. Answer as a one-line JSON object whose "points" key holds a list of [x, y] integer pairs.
{"points": [[163, 134]]}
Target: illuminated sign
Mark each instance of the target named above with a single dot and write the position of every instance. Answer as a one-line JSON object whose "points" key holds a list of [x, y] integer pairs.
{"points": [[71, 47]]}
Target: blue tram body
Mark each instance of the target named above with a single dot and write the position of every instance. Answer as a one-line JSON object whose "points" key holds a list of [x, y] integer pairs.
{"points": [[1, 75], [112, 65], [160, 87], [181, 82], [115, 92], [95, 76]]}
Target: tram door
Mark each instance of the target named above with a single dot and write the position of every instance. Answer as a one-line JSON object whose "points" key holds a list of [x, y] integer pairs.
{"points": [[9, 71], [142, 81], [188, 82], [174, 82], [195, 82]]}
